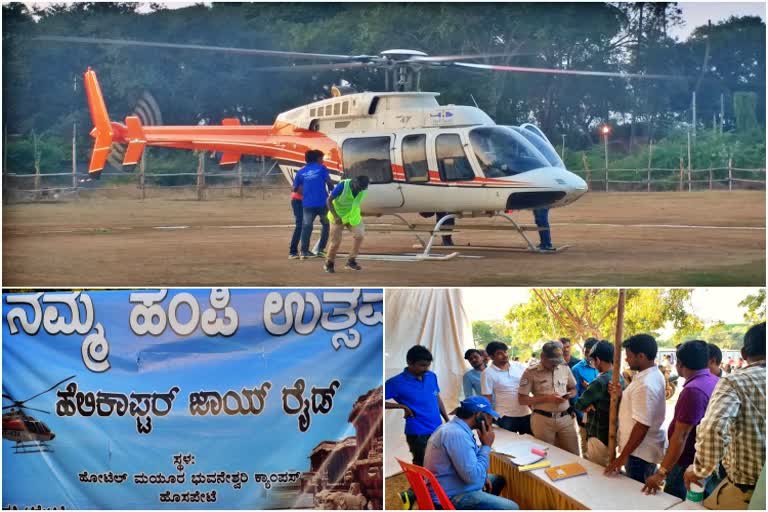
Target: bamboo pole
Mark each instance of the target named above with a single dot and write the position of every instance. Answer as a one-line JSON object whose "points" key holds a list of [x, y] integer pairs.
{"points": [[614, 411]]}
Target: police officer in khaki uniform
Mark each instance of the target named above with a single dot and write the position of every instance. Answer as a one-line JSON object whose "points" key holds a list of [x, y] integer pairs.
{"points": [[551, 383]]}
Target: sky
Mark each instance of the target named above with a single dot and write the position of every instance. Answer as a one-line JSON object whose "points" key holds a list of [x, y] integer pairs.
{"points": [[710, 304], [696, 14]]}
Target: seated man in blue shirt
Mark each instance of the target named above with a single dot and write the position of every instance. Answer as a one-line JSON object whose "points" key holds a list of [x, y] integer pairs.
{"points": [[416, 392], [460, 466], [584, 372]]}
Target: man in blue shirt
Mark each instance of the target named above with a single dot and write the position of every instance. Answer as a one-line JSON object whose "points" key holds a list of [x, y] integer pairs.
{"points": [[416, 392], [584, 372], [313, 181], [460, 466], [471, 379]]}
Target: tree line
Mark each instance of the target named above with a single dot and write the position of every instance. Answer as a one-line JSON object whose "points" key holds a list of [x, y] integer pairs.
{"points": [[43, 93], [591, 312]]}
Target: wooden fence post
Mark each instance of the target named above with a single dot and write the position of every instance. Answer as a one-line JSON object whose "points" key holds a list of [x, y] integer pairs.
{"points": [[650, 162], [36, 157], [240, 178], [730, 174], [142, 171], [681, 174], [200, 175], [587, 170]]}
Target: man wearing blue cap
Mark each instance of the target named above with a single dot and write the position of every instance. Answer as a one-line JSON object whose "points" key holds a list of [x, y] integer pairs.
{"points": [[460, 465]]}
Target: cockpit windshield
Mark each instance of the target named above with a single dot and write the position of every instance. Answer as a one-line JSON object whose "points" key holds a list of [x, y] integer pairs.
{"points": [[535, 137], [502, 151]]}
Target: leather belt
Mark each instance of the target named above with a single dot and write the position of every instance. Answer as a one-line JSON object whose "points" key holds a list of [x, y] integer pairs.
{"points": [[742, 487], [552, 414]]}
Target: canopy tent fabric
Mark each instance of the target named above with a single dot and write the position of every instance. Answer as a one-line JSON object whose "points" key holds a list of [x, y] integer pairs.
{"points": [[435, 318]]}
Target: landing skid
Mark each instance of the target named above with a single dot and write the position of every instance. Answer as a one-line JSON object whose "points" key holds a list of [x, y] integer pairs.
{"points": [[32, 448], [496, 248], [428, 244]]}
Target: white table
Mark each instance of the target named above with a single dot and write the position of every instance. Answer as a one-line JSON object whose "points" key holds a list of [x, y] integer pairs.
{"points": [[591, 491], [398, 450]]}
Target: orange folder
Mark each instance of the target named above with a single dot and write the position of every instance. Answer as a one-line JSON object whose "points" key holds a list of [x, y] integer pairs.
{"points": [[565, 471]]}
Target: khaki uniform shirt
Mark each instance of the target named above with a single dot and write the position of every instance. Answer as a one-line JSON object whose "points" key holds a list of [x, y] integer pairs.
{"points": [[539, 381]]}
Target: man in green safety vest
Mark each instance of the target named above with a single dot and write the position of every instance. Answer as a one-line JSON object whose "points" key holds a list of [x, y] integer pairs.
{"points": [[344, 212]]}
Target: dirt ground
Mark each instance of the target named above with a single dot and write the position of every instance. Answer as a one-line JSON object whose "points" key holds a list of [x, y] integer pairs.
{"points": [[627, 239]]}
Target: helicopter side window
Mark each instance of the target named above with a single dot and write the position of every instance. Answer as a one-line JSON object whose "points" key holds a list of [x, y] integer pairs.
{"points": [[368, 156], [451, 159], [415, 158]]}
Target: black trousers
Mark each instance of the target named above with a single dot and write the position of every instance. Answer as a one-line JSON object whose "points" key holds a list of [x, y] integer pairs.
{"points": [[519, 424], [418, 446]]}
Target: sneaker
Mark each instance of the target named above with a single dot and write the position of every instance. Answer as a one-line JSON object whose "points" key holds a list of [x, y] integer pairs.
{"points": [[408, 499], [293, 256], [329, 267], [448, 241], [320, 254], [307, 255], [352, 265], [546, 248]]}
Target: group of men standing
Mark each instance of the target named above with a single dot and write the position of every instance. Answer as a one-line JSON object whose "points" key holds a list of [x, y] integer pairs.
{"points": [[716, 438], [338, 207]]}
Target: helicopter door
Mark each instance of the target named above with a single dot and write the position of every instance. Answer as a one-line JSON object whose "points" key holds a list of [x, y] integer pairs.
{"points": [[372, 157]]}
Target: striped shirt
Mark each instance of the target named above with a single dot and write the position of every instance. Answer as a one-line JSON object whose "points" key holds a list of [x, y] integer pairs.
{"points": [[733, 428]]}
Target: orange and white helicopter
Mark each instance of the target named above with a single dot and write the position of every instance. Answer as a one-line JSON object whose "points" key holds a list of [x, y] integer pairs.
{"points": [[30, 434], [420, 156]]}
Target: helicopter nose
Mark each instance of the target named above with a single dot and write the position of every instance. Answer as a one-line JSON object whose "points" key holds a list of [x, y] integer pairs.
{"points": [[52, 436]]}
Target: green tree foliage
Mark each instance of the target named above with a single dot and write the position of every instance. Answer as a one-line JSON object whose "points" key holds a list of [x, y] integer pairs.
{"points": [[744, 107], [582, 313], [725, 336], [755, 304], [485, 332]]}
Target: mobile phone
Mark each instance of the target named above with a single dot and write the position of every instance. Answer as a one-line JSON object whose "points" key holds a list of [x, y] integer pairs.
{"points": [[480, 420]]}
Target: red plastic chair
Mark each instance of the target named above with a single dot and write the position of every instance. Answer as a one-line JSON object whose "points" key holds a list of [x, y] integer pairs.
{"points": [[416, 475]]}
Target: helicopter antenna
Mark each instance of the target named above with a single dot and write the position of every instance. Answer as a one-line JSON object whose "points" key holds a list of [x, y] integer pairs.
{"points": [[473, 100]]}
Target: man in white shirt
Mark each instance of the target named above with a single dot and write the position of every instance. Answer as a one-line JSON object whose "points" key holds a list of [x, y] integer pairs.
{"points": [[641, 413], [500, 383]]}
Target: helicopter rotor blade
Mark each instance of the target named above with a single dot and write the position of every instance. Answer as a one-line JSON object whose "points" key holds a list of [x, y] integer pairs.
{"points": [[9, 397], [47, 390], [318, 67], [199, 47], [34, 409], [552, 71], [448, 58]]}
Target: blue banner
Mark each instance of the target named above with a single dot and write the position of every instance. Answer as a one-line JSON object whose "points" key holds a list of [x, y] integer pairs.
{"points": [[220, 399]]}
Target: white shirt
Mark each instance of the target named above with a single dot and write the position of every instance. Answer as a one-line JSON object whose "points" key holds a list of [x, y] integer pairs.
{"points": [[503, 386], [643, 401]]}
